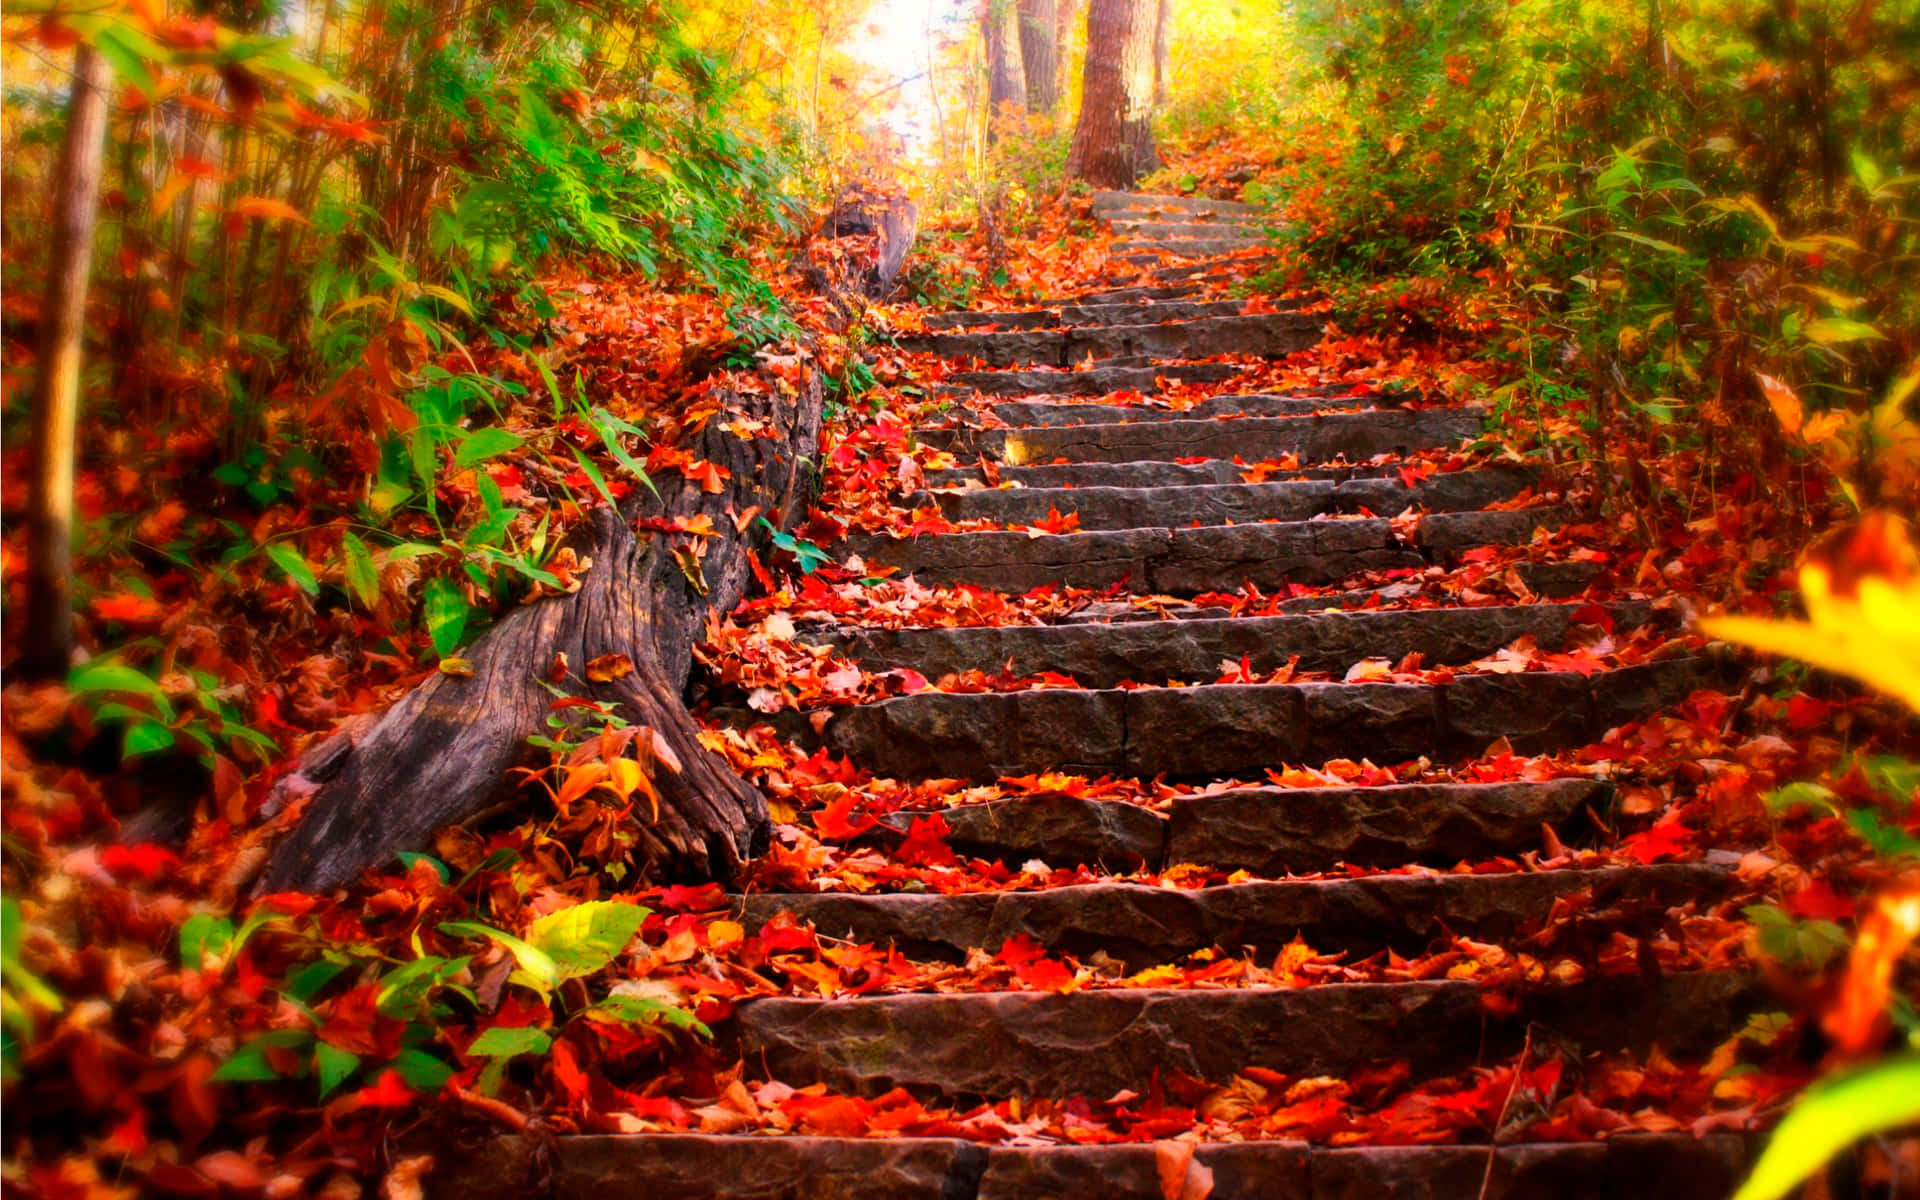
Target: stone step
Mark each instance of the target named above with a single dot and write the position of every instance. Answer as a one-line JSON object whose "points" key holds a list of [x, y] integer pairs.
{"points": [[1223, 503], [1106, 655], [1275, 831], [1252, 404], [1145, 474], [1314, 437], [1205, 272], [1187, 561], [1095, 1043], [1265, 334], [694, 1166], [1140, 312], [1142, 925], [1241, 730], [1154, 249], [1161, 226], [1126, 294], [1197, 261], [1318, 436], [1095, 381], [1109, 203]]}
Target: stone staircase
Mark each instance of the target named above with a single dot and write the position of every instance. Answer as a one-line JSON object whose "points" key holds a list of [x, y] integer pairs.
{"points": [[1163, 508]]}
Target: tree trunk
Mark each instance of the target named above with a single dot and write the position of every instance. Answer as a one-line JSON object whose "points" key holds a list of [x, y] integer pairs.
{"points": [[56, 399], [1040, 54], [1006, 78], [1113, 140], [1162, 18], [441, 755]]}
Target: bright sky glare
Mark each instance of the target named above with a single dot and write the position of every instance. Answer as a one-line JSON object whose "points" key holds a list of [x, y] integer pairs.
{"points": [[897, 40]]}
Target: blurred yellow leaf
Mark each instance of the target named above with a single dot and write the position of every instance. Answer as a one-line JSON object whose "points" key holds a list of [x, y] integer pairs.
{"points": [[1872, 634]]}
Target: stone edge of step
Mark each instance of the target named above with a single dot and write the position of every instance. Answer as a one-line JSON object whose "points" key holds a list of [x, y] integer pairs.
{"points": [[1646, 1166]]}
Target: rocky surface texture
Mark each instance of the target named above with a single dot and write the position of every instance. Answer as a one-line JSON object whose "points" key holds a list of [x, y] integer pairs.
{"points": [[1164, 506]]}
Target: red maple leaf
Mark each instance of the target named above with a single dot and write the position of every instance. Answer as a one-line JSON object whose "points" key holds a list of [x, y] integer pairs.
{"points": [[1668, 837], [837, 820], [390, 1091], [926, 843], [1818, 901], [143, 860]]}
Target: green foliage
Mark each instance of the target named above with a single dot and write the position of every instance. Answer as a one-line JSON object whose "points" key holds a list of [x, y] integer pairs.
{"points": [[563, 945], [1799, 945], [809, 556], [1894, 783], [22, 992], [1661, 199], [201, 722], [427, 994]]}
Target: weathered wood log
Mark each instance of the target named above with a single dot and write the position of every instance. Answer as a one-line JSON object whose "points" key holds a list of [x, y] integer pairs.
{"points": [[441, 755]]}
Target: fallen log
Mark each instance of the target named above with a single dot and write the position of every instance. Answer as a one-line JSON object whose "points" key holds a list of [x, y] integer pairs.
{"points": [[442, 754]]}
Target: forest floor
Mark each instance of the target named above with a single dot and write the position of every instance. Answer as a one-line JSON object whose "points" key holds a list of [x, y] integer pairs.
{"points": [[1206, 755]]}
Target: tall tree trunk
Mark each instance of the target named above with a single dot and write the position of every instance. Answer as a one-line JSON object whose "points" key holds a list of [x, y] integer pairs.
{"points": [[56, 401], [1040, 54], [1113, 140], [1006, 78], [1162, 19]]}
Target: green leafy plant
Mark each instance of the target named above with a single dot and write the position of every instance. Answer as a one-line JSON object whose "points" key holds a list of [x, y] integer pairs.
{"points": [[202, 721]]}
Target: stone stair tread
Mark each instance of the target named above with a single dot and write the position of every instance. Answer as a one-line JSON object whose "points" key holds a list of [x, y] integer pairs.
{"points": [[1189, 225], [1266, 334], [1275, 831], [1187, 561], [1095, 1043], [1106, 508], [1077, 314], [1028, 413], [1129, 249], [1149, 473], [1194, 260], [1143, 925], [1227, 730], [1105, 201], [1105, 655], [1226, 269], [700, 1166], [1318, 436], [1094, 381], [1124, 294]]}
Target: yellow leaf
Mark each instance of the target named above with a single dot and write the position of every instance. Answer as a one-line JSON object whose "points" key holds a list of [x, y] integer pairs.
{"points": [[1873, 635], [724, 935], [625, 777]]}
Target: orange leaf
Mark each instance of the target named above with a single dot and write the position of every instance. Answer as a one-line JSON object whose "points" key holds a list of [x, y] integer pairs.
{"points": [[266, 208], [609, 667], [1856, 1018], [581, 780], [1180, 1177]]}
